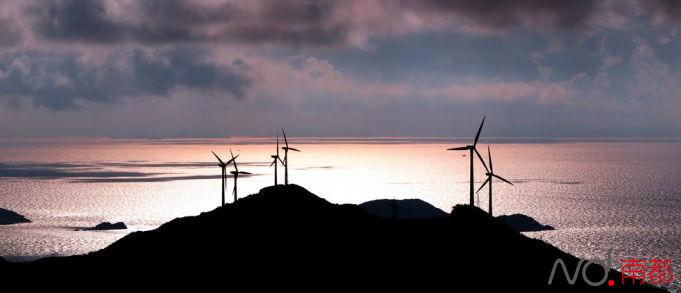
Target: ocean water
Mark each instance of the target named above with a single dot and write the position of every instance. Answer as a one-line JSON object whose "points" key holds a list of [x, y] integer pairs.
{"points": [[619, 198]]}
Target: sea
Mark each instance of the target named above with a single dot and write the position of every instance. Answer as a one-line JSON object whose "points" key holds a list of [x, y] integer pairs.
{"points": [[616, 199]]}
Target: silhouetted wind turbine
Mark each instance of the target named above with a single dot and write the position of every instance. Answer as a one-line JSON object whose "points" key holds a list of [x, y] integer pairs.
{"points": [[276, 158], [472, 150], [491, 174], [236, 173], [223, 166], [285, 162]]}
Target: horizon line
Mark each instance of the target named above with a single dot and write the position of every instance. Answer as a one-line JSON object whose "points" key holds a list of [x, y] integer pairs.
{"points": [[434, 138]]}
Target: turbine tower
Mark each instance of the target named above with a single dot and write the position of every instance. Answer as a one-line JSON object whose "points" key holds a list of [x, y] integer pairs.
{"points": [[276, 158], [471, 148], [490, 174], [285, 162], [223, 167], [236, 174]]}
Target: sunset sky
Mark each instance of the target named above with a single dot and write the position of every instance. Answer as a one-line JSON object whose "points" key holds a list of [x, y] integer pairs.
{"points": [[171, 68]]}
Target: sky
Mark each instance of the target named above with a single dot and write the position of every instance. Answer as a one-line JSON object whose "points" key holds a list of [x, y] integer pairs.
{"points": [[208, 68]]}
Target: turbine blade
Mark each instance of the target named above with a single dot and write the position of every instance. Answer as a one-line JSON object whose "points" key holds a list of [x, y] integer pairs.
{"points": [[216, 156], [489, 155], [284, 133], [282, 161], [292, 149], [483, 185], [458, 149], [277, 143], [502, 179], [275, 160], [231, 160], [234, 160], [477, 136], [244, 172], [481, 160]]}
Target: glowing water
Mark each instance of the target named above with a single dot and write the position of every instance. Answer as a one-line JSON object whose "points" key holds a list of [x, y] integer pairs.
{"points": [[622, 196]]}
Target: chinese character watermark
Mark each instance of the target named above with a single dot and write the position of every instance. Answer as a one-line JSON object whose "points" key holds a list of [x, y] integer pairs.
{"points": [[634, 271]]}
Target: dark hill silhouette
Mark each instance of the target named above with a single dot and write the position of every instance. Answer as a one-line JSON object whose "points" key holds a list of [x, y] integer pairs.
{"points": [[523, 223], [408, 209], [8, 217], [285, 237]]}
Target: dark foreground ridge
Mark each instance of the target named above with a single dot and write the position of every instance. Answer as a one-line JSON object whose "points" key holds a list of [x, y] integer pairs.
{"points": [[286, 237], [8, 217]]}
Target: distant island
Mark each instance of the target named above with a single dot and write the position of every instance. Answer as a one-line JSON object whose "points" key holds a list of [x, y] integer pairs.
{"points": [[413, 209], [409, 209], [523, 223], [8, 217], [287, 237], [108, 226]]}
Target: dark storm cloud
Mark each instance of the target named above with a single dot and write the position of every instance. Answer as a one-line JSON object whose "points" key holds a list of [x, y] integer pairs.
{"points": [[9, 34], [289, 22], [73, 20], [58, 81], [293, 22], [159, 74], [509, 13], [669, 10], [158, 21], [87, 20]]}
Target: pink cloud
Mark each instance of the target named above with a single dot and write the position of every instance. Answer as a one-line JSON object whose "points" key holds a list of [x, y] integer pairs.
{"points": [[318, 79]]}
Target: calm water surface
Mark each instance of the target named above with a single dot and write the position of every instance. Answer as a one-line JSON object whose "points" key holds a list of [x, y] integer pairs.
{"points": [[618, 196]]}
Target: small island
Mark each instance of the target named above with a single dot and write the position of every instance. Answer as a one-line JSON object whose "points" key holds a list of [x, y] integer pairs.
{"points": [[108, 226], [8, 217], [407, 209], [523, 223]]}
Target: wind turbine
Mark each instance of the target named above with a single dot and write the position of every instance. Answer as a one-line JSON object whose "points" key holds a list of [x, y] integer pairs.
{"points": [[285, 162], [236, 173], [276, 158], [490, 174], [471, 148], [223, 167]]}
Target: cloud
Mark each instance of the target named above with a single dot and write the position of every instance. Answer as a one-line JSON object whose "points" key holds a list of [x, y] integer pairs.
{"points": [[654, 84], [540, 92], [162, 67], [538, 58], [101, 172], [306, 23], [303, 77], [61, 171], [73, 20], [505, 14], [159, 22], [152, 179], [59, 80], [9, 34], [310, 23], [664, 12]]}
